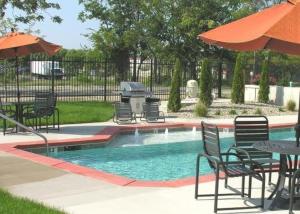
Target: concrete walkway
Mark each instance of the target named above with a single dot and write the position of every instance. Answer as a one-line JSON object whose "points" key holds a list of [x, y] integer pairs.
{"points": [[82, 195]]}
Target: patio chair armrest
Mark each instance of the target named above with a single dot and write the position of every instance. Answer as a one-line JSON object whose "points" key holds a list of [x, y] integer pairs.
{"points": [[213, 159], [228, 154], [240, 150]]}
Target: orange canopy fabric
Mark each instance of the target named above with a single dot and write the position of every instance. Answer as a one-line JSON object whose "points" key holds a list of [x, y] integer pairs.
{"points": [[21, 44], [276, 28]]}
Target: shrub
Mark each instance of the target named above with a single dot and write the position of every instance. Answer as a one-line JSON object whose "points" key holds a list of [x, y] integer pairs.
{"points": [[206, 84], [258, 111], [291, 105], [201, 109], [232, 112], [281, 109], [238, 83], [263, 93], [174, 103], [218, 112]]}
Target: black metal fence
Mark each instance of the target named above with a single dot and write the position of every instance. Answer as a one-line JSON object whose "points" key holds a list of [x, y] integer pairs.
{"points": [[78, 79]]}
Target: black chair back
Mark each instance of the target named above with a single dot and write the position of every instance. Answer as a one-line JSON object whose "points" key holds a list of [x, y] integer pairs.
{"points": [[211, 142], [52, 99], [251, 129], [123, 110], [151, 111], [41, 103]]}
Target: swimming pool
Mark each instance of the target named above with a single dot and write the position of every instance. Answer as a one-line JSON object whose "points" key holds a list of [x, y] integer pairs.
{"points": [[156, 155]]}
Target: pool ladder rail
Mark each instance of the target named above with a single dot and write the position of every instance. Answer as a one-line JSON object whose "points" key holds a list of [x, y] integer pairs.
{"points": [[27, 129]]}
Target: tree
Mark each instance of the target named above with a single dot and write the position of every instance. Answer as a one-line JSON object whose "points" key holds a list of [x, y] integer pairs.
{"points": [[206, 84], [238, 84], [28, 11], [174, 103], [120, 35], [263, 93], [158, 29]]}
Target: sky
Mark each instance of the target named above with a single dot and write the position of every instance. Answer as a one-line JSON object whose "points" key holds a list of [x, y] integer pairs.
{"points": [[69, 32]]}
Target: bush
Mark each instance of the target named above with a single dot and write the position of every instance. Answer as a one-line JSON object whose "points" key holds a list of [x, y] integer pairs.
{"points": [[205, 83], [201, 110], [291, 105], [263, 93], [174, 103], [238, 83], [232, 112], [280, 109], [258, 111]]}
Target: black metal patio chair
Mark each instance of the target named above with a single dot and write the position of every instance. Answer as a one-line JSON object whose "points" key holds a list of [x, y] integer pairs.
{"points": [[7, 111], [151, 113], [44, 108], [249, 130], [220, 162], [123, 113]]}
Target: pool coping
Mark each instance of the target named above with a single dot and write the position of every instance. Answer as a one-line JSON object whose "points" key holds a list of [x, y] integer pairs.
{"points": [[104, 136]]}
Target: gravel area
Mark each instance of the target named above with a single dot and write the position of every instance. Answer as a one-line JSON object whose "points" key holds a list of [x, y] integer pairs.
{"points": [[223, 108]]}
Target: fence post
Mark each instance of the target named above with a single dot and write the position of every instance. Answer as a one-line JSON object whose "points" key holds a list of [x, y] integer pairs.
{"points": [[151, 75], [52, 75], [105, 80]]}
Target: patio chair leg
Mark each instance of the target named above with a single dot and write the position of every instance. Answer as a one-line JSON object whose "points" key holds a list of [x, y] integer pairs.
{"points": [[263, 191], [250, 186], [226, 182], [243, 186], [270, 175], [197, 177], [216, 190]]}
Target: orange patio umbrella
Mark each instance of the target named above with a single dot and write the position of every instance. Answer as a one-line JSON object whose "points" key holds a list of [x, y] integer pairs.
{"points": [[16, 44], [276, 28]]}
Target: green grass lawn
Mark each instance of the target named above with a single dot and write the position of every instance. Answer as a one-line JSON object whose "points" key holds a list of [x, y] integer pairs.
{"points": [[10, 204], [84, 112], [81, 112]]}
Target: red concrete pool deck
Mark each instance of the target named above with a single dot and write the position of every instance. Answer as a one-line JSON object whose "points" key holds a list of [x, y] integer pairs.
{"points": [[105, 135]]}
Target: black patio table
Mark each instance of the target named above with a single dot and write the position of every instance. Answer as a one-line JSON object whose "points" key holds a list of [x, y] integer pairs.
{"points": [[284, 148], [19, 110]]}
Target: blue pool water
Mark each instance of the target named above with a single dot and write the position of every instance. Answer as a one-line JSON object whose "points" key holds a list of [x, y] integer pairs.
{"points": [[159, 155]]}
